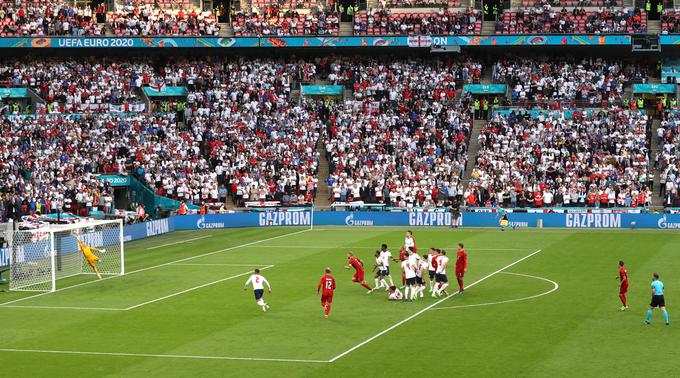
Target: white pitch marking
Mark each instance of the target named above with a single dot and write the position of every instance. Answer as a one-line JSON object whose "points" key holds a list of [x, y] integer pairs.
{"points": [[180, 242], [157, 266], [350, 350], [68, 308], [193, 288], [218, 264], [146, 355], [374, 247], [555, 287]]}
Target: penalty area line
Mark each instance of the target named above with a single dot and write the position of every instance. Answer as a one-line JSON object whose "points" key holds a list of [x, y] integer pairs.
{"points": [[193, 288], [352, 349], [150, 355]]}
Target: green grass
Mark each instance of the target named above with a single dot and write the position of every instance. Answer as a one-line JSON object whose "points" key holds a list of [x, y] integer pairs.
{"points": [[574, 330]]}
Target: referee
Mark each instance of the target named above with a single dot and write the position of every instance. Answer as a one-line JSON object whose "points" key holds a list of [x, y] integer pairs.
{"points": [[657, 299]]}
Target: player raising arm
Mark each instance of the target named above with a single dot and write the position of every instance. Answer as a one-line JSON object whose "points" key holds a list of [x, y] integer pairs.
{"points": [[623, 289], [358, 265], [91, 258], [258, 283], [327, 288], [657, 299]]}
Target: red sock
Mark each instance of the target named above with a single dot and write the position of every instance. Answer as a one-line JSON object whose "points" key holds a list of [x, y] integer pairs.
{"points": [[623, 299], [366, 286], [328, 308], [460, 283]]}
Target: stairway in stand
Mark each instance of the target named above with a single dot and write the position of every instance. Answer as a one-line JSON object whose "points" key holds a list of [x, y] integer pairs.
{"points": [[323, 191], [657, 200], [346, 29], [473, 149]]}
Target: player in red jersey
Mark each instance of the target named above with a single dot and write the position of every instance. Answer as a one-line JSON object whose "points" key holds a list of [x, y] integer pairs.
{"points": [[461, 267], [402, 257], [623, 289], [358, 265], [326, 287]]}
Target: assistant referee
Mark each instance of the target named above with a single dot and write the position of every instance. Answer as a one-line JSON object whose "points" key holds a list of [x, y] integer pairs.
{"points": [[657, 299]]}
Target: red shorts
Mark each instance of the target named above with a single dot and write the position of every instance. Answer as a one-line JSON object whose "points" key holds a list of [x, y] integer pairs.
{"points": [[359, 276], [460, 273], [326, 298], [623, 289]]}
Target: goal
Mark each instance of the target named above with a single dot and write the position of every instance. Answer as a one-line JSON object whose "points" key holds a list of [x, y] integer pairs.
{"points": [[41, 257]]}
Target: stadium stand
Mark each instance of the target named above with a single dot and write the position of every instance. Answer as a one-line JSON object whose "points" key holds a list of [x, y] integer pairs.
{"points": [[43, 18], [602, 21], [441, 22], [580, 158], [149, 19], [286, 23], [570, 82]]}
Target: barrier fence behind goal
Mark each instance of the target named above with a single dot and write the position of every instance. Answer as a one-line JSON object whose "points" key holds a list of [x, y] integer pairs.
{"points": [[41, 257]]}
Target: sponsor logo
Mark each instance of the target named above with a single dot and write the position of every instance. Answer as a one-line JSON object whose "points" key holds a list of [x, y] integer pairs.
{"points": [[286, 218], [593, 220], [518, 224], [663, 223], [433, 219], [350, 221], [201, 223], [157, 227]]}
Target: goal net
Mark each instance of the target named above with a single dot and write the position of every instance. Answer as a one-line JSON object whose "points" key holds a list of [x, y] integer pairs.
{"points": [[41, 257]]}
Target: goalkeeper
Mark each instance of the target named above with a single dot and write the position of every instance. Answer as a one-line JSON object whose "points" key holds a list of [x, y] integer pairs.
{"points": [[89, 256]]}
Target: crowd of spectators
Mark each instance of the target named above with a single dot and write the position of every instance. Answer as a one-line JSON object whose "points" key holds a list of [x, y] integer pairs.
{"points": [[286, 23], [403, 139], [80, 86], [570, 3], [46, 18], [441, 22], [583, 82], [670, 22], [260, 145], [147, 20], [556, 159], [420, 3], [546, 20], [667, 160]]}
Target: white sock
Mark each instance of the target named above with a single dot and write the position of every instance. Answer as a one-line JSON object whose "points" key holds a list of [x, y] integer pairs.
{"points": [[444, 286], [391, 282], [413, 293], [422, 289], [384, 284], [377, 284], [406, 292]]}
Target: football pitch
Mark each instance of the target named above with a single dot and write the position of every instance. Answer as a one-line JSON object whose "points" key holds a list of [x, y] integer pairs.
{"points": [[539, 303]]}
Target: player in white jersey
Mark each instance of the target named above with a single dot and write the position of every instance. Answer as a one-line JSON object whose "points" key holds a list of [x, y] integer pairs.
{"points": [[440, 275], [258, 283], [386, 256], [431, 263], [410, 273], [379, 279], [394, 294], [421, 268]]}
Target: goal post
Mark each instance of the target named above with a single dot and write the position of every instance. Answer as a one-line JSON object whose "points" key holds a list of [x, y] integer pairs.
{"points": [[41, 257]]}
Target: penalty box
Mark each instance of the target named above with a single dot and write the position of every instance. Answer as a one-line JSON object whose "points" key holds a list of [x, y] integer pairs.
{"points": [[132, 291]]}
